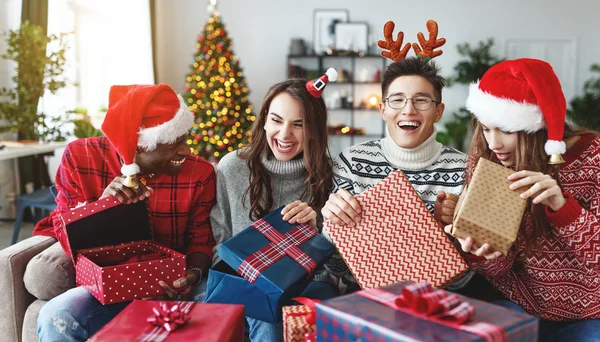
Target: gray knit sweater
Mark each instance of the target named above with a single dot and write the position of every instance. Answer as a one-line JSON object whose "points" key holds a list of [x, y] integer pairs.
{"points": [[229, 216]]}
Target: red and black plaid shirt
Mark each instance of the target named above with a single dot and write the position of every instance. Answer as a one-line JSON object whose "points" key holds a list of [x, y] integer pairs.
{"points": [[179, 207]]}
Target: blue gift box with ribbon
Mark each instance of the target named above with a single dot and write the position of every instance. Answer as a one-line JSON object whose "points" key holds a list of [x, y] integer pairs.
{"points": [[410, 311], [266, 265]]}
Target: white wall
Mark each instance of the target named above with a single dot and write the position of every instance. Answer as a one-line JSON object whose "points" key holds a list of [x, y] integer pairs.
{"points": [[261, 31]]}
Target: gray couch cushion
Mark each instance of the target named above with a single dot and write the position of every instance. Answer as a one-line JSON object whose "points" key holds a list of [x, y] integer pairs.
{"points": [[49, 273], [16, 299], [30, 321]]}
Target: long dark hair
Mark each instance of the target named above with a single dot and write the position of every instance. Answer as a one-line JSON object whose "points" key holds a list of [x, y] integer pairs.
{"points": [[529, 155], [316, 157]]}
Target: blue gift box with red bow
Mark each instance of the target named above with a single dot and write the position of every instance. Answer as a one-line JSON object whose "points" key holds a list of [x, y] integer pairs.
{"points": [[410, 311], [266, 265]]}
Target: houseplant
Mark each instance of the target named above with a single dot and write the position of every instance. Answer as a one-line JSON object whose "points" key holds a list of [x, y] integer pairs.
{"points": [[478, 60], [36, 72], [585, 109]]}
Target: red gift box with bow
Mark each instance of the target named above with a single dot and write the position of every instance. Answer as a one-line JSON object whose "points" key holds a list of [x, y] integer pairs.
{"points": [[114, 256], [157, 321]]}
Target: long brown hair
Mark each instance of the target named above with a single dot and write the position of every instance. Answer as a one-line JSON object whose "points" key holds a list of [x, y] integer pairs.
{"points": [[316, 157], [529, 155]]}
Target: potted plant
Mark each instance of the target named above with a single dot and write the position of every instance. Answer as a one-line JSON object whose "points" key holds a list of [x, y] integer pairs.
{"points": [[585, 108], [478, 60], [36, 72]]}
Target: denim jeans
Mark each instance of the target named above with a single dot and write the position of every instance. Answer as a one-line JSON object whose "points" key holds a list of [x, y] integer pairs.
{"points": [[76, 315], [260, 331], [587, 330]]}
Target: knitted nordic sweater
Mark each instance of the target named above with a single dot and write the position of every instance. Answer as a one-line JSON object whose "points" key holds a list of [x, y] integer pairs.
{"points": [[560, 279], [430, 168]]}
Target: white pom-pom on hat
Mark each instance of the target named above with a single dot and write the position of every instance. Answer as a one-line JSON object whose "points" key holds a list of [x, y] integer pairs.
{"points": [[332, 74]]}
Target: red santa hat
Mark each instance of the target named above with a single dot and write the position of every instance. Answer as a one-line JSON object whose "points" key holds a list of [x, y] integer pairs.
{"points": [[315, 87], [521, 95], [144, 116]]}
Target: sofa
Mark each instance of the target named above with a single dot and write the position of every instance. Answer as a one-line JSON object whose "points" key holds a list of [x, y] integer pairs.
{"points": [[32, 272]]}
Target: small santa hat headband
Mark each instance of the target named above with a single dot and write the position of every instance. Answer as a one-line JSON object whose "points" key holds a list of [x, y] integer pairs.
{"points": [[315, 87], [397, 52], [522, 95], [143, 116]]}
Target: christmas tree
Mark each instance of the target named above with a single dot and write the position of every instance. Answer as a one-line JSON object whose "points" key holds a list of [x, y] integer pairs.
{"points": [[217, 94]]}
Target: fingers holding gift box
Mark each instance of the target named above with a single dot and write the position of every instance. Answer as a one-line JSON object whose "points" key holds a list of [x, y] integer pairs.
{"points": [[488, 213], [265, 265], [113, 254], [396, 239]]}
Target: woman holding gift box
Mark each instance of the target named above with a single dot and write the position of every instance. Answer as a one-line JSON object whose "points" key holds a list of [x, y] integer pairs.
{"points": [[286, 163], [144, 156], [553, 268]]}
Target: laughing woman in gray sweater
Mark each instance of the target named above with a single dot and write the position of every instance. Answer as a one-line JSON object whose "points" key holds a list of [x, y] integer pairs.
{"points": [[286, 163]]}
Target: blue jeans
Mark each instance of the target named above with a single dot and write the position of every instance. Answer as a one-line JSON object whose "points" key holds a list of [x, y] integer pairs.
{"points": [[76, 315], [261, 331], [587, 330]]}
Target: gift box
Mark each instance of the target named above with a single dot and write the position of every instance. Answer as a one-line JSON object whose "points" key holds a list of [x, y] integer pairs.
{"points": [[488, 211], [113, 254], [266, 265], [411, 311], [299, 321], [154, 321], [397, 239]]}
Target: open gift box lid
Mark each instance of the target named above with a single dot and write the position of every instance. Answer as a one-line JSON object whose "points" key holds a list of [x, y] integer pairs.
{"points": [[106, 222]]}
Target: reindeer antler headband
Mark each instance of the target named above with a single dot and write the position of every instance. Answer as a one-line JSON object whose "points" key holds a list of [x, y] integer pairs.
{"points": [[426, 51]]}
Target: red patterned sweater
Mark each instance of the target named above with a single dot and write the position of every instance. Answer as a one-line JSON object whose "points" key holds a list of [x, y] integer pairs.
{"points": [[179, 208], [560, 281]]}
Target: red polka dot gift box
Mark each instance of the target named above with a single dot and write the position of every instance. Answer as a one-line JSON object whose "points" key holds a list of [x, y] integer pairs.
{"points": [[114, 256]]}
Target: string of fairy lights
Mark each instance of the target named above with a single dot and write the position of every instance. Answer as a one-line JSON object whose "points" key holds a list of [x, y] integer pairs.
{"points": [[217, 93]]}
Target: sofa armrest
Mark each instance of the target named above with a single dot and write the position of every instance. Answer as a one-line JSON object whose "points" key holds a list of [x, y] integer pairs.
{"points": [[13, 261]]}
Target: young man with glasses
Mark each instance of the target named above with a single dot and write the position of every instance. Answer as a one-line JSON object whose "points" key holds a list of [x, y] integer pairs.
{"points": [[412, 104]]}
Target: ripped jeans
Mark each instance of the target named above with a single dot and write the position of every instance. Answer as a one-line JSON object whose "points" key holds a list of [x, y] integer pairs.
{"points": [[76, 315]]}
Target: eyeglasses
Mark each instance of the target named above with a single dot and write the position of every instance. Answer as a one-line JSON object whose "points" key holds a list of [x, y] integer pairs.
{"points": [[419, 102]]}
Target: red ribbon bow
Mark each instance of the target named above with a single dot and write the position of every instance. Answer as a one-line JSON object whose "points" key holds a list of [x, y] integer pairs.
{"points": [[422, 298], [170, 318]]}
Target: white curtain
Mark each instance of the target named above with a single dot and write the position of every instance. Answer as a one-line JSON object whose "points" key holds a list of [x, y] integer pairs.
{"points": [[10, 18], [111, 45]]}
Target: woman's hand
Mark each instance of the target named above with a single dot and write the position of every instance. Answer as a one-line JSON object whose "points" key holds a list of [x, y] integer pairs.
{"points": [[543, 188], [467, 245], [300, 212], [126, 194]]}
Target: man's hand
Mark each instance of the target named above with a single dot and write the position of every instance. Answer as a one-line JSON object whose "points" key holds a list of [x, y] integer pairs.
{"points": [[342, 208], [300, 212], [182, 287], [125, 194], [444, 207]]}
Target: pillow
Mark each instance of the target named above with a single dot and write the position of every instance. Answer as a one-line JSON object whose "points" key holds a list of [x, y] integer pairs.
{"points": [[50, 273]]}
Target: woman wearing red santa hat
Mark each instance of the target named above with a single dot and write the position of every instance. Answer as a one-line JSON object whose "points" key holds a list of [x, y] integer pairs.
{"points": [[286, 163], [143, 156], [553, 268]]}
